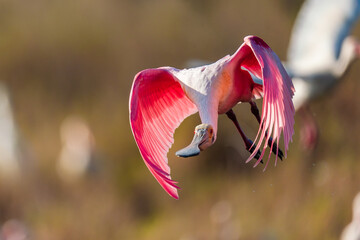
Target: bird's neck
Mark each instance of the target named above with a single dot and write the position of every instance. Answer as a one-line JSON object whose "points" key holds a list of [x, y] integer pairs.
{"points": [[346, 58], [209, 115]]}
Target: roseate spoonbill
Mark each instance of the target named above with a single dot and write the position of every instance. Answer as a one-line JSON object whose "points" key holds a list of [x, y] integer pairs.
{"points": [[162, 98], [352, 231], [320, 51]]}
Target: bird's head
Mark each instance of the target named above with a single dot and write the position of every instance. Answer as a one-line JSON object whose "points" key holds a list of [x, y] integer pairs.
{"points": [[204, 137]]}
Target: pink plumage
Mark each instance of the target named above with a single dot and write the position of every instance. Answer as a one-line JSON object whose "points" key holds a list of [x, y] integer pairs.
{"points": [[162, 98], [154, 119], [278, 90]]}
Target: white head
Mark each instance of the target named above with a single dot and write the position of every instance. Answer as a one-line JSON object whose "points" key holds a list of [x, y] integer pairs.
{"points": [[203, 138]]}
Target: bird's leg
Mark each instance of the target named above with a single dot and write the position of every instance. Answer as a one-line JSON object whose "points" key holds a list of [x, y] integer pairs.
{"points": [[256, 113], [248, 143], [309, 131]]}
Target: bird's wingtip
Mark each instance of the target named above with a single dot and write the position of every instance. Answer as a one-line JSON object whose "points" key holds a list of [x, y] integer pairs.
{"points": [[174, 194]]}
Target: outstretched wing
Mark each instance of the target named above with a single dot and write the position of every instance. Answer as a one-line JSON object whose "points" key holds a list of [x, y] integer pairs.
{"points": [[277, 91], [157, 105], [318, 33]]}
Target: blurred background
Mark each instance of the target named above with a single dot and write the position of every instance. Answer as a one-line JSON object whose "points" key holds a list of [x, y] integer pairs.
{"points": [[74, 170]]}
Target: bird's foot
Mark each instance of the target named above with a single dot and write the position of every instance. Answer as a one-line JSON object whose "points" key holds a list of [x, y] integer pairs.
{"points": [[250, 146], [275, 149]]}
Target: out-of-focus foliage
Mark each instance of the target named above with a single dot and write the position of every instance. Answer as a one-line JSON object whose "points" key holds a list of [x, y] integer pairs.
{"points": [[79, 57]]}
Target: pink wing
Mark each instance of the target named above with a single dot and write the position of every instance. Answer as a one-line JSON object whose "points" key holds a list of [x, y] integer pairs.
{"points": [[158, 105], [277, 91]]}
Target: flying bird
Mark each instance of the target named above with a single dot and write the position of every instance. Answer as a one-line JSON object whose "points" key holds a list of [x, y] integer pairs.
{"points": [[161, 98], [320, 52]]}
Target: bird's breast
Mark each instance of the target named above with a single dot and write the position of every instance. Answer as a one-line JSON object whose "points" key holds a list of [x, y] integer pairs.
{"points": [[234, 87]]}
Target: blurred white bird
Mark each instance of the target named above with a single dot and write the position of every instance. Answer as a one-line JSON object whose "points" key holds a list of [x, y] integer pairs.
{"points": [[352, 231], [9, 144], [78, 149], [320, 51]]}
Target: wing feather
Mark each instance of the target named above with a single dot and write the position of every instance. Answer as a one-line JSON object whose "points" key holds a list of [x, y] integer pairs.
{"points": [[278, 111], [157, 106]]}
